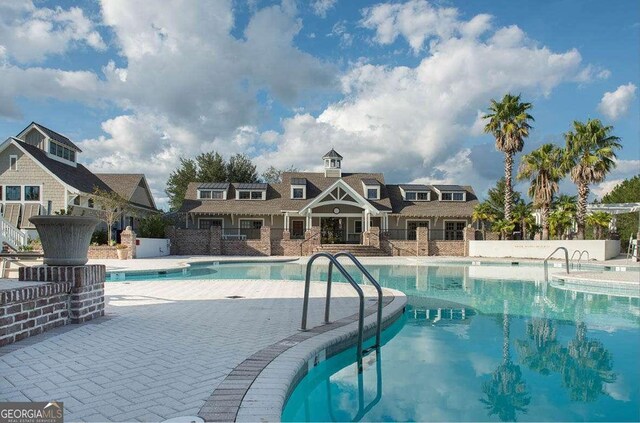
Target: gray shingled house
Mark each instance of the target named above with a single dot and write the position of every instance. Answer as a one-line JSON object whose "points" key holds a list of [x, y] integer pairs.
{"points": [[342, 205], [40, 174]]}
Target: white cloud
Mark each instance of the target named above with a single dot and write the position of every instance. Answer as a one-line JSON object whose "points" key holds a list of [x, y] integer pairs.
{"points": [[30, 34], [616, 104], [321, 7], [625, 169]]}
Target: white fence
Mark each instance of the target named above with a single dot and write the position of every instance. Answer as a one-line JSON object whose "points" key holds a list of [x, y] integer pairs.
{"points": [[598, 249], [152, 247]]}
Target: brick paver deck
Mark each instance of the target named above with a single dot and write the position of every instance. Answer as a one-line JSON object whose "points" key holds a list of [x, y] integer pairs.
{"points": [[162, 349]]}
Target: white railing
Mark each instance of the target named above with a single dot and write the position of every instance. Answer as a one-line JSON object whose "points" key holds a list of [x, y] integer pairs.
{"points": [[13, 236]]}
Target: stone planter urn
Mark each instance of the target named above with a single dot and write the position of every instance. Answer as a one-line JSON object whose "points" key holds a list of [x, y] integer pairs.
{"points": [[122, 252], [65, 239]]}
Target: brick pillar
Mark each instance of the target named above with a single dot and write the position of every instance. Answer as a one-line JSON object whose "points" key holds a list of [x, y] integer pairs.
{"points": [[422, 241], [265, 240], [86, 299], [215, 240], [312, 240], [469, 234], [374, 237], [286, 236], [128, 238]]}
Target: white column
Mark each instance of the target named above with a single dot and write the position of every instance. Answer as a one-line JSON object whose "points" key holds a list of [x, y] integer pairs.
{"points": [[286, 221]]}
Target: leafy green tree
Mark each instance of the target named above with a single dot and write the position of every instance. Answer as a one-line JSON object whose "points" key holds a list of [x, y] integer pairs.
{"points": [[628, 191], [504, 226], [523, 216], [484, 214], [152, 226], [179, 180], [509, 122], [273, 175], [543, 168], [240, 168], [562, 216], [495, 198], [591, 152], [211, 167]]}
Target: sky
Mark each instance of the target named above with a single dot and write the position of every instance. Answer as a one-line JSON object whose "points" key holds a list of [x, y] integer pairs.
{"points": [[395, 87]]}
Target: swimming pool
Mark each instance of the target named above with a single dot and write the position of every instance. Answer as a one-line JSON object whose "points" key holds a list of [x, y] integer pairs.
{"points": [[475, 343], [471, 348]]}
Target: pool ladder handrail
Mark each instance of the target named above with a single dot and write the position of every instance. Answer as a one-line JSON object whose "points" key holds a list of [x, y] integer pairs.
{"points": [[578, 265], [333, 261], [566, 259]]}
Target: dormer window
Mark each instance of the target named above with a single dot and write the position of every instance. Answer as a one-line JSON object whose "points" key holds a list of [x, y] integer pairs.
{"points": [[210, 194], [371, 189], [415, 192], [58, 150], [452, 196], [251, 191], [298, 188], [373, 194]]}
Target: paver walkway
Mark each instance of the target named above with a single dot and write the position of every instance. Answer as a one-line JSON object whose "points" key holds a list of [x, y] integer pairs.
{"points": [[162, 349]]}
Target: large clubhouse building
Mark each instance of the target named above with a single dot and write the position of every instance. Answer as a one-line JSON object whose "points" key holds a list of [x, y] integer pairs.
{"points": [[340, 206], [40, 174]]}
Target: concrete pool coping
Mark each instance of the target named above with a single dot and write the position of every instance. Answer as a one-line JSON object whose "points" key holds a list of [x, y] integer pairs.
{"points": [[258, 388]]}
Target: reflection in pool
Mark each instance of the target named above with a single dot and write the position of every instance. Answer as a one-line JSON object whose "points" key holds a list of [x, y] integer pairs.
{"points": [[472, 348]]}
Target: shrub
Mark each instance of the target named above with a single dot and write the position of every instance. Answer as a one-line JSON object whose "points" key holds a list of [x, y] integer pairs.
{"points": [[99, 237], [152, 226]]}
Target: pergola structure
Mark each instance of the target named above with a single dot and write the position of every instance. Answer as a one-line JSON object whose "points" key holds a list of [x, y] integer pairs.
{"points": [[615, 209]]}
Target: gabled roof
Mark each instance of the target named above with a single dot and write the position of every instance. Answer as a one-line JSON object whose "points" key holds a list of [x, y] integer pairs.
{"points": [[51, 134], [415, 187], [77, 177], [125, 185], [448, 188], [433, 208], [332, 154], [353, 193]]}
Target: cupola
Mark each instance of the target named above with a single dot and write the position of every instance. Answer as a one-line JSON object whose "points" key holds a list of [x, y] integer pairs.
{"points": [[332, 164]]}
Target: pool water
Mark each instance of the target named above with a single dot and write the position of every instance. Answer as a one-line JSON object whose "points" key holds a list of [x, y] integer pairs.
{"points": [[476, 343]]}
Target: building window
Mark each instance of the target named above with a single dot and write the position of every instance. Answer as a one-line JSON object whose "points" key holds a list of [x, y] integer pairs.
{"points": [[90, 203], [244, 195], [60, 151], [32, 193], [250, 195], [423, 196], [410, 196], [76, 201], [211, 195], [204, 195], [453, 231], [452, 196], [256, 195], [208, 223], [412, 228], [13, 162], [357, 226], [13, 193], [298, 193], [372, 193]]}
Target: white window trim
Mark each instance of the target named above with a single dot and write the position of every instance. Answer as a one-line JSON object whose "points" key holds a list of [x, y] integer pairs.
{"points": [[251, 219], [211, 218], [22, 196], [464, 196], [250, 191], [304, 191], [223, 191], [12, 157], [366, 191], [73, 163]]}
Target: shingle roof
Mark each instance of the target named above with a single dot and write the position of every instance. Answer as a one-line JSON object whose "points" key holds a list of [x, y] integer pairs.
{"points": [[78, 177], [415, 187], [434, 207], [370, 181], [299, 181], [124, 184], [54, 136], [332, 154], [251, 186], [214, 185]]}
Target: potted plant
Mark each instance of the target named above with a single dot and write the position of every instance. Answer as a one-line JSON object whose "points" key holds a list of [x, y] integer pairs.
{"points": [[122, 251], [65, 238]]}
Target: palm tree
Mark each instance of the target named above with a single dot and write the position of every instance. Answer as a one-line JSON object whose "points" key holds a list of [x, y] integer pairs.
{"points": [[591, 156], [543, 167], [598, 220], [504, 227], [483, 213], [523, 215], [509, 123]]}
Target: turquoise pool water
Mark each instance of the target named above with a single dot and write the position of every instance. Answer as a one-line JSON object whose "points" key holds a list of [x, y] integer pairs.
{"points": [[475, 344]]}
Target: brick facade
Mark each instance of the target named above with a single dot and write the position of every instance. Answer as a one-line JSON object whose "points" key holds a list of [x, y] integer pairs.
{"points": [[73, 294], [101, 252]]}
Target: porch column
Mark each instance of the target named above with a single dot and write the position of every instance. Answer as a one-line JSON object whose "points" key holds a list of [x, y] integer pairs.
{"points": [[286, 221]]}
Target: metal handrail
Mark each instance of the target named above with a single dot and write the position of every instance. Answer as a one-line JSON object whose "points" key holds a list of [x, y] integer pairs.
{"points": [[573, 255], [566, 259], [580, 258], [305, 304], [373, 281]]}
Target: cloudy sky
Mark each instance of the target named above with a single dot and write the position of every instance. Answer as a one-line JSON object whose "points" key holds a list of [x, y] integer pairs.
{"points": [[397, 87]]}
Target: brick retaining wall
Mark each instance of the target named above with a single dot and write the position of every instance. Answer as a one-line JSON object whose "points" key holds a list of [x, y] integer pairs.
{"points": [[72, 294], [102, 252], [447, 248]]}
